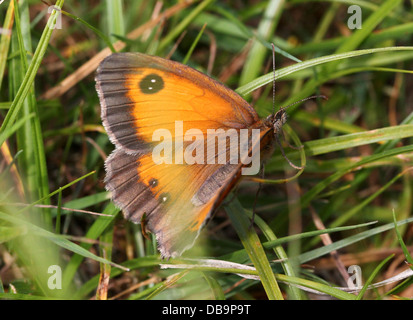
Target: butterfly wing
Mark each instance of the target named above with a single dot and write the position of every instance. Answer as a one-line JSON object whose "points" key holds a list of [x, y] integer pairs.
{"points": [[167, 194], [140, 95]]}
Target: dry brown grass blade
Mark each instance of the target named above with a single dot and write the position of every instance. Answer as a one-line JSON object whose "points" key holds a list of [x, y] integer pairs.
{"points": [[235, 65], [103, 286], [152, 280], [360, 258], [326, 239], [91, 65], [49, 206], [394, 97], [5, 152]]}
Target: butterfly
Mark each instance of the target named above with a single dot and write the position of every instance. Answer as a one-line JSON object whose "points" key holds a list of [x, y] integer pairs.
{"points": [[141, 96]]}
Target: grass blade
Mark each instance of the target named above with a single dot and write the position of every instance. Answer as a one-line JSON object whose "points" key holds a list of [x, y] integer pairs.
{"points": [[253, 246], [316, 253], [29, 137], [256, 56], [27, 82], [372, 276], [5, 39], [268, 78]]}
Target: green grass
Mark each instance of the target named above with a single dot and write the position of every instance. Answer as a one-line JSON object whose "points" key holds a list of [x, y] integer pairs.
{"points": [[356, 186]]}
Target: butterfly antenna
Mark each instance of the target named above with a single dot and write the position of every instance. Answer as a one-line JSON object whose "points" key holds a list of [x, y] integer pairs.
{"points": [[273, 79], [305, 99], [277, 139]]}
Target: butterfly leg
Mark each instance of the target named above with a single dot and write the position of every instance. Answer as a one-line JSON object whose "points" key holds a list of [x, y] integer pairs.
{"points": [[283, 153], [282, 133], [143, 226]]}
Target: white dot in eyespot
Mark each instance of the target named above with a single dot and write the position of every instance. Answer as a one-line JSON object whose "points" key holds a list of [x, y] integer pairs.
{"points": [[153, 80], [164, 197]]}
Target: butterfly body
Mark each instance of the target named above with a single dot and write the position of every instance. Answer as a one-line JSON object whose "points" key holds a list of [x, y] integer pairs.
{"points": [[149, 104]]}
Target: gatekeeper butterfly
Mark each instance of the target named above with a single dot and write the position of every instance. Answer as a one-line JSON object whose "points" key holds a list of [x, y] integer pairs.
{"points": [[142, 94]]}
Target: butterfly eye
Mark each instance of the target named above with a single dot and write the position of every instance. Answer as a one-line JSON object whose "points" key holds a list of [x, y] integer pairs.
{"points": [[152, 83], [279, 115]]}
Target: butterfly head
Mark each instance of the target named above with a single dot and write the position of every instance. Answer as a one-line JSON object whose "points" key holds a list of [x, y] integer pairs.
{"points": [[280, 118], [277, 120]]}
